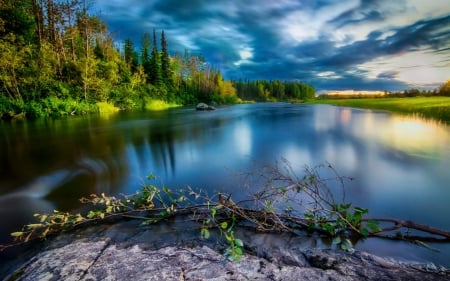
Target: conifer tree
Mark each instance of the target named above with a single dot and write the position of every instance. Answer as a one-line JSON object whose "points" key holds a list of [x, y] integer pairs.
{"points": [[155, 68], [145, 55], [131, 57], [165, 62]]}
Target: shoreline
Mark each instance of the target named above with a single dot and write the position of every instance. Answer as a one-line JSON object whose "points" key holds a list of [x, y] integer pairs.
{"points": [[432, 108]]}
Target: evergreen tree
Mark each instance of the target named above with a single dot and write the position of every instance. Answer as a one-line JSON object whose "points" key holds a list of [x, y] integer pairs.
{"points": [[145, 55], [155, 68], [131, 57], [166, 74]]}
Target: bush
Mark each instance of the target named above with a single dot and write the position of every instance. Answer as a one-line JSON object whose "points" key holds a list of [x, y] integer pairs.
{"points": [[34, 110]]}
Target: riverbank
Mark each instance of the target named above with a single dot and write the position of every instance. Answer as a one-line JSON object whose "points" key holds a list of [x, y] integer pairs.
{"points": [[437, 108], [174, 251]]}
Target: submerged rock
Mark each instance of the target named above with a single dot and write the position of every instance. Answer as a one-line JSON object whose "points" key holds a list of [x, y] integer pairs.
{"points": [[167, 253]]}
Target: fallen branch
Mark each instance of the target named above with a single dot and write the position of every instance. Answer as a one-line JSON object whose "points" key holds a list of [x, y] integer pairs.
{"points": [[285, 203]]}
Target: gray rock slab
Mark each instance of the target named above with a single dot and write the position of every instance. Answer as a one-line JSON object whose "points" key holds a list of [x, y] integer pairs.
{"points": [[127, 252], [101, 260]]}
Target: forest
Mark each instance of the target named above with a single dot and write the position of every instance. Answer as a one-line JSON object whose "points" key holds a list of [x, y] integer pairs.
{"points": [[58, 59]]}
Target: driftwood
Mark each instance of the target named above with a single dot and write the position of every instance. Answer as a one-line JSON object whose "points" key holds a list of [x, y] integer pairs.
{"points": [[443, 236]]}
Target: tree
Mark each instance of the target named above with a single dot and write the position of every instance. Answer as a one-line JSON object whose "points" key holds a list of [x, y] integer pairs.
{"points": [[12, 61], [166, 74], [131, 57], [444, 90], [146, 55], [16, 18], [155, 67]]}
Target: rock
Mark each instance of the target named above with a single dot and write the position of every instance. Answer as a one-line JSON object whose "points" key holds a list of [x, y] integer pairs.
{"points": [[204, 106], [102, 260], [130, 252]]}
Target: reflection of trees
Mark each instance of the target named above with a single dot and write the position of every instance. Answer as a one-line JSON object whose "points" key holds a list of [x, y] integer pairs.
{"points": [[164, 136], [31, 149], [163, 148]]}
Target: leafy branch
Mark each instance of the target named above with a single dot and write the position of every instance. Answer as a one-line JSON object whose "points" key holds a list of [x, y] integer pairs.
{"points": [[284, 203]]}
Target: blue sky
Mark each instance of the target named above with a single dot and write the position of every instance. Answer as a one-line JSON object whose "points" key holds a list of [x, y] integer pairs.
{"points": [[333, 45]]}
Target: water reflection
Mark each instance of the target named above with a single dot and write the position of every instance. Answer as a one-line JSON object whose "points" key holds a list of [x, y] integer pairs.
{"points": [[400, 164], [243, 139]]}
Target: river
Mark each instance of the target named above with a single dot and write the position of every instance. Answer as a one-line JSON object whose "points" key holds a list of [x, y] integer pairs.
{"points": [[400, 165]]}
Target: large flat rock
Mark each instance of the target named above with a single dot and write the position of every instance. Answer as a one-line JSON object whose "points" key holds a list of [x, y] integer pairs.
{"points": [[127, 252]]}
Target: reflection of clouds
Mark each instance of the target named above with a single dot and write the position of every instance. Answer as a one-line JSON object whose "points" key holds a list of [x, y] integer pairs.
{"points": [[342, 155], [324, 118], [345, 116], [297, 156], [412, 135], [243, 139], [415, 134]]}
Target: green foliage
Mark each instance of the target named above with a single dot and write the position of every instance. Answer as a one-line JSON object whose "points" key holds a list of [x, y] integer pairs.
{"points": [[262, 90], [106, 108], [444, 90], [430, 107]]}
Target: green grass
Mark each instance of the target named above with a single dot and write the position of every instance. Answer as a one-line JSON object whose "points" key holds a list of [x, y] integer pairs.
{"points": [[106, 108], [429, 107], [159, 105]]}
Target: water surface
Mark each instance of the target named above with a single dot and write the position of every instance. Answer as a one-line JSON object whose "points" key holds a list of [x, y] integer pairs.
{"points": [[400, 164]]}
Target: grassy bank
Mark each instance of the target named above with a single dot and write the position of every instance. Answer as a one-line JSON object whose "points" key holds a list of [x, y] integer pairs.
{"points": [[430, 107]]}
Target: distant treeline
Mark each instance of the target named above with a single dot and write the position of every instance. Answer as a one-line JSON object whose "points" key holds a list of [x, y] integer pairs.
{"points": [[263, 90], [443, 90], [57, 59]]}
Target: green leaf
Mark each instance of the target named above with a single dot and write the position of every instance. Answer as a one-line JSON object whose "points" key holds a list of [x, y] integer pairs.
{"points": [[238, 251], [361, 210], [328, 227], [336, 240], [34, 225], [364, 232], [239, 242], [347, 245], [374, 226], [224, 225], [205, 233], [345, 206], [17, 234], [91, 215]]}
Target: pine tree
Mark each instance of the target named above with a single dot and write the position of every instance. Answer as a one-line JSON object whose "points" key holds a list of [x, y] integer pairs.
{"points": [[155, 68], [131, 57], [166, 74], [145, 55]]}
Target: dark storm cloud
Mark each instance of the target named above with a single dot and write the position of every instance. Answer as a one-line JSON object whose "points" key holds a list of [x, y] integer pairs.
{"points": [[264, 39], [368, 11]]}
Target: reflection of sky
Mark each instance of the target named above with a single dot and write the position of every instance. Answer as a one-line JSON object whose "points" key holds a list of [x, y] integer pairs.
{"points": [[242, 139]]}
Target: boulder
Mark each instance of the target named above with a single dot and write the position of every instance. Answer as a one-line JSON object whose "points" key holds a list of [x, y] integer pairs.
{"points": [[204, 106]]}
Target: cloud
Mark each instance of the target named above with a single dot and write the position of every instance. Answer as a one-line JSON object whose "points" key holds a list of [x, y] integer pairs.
{"points": [[391, 74], [350, 44]]}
